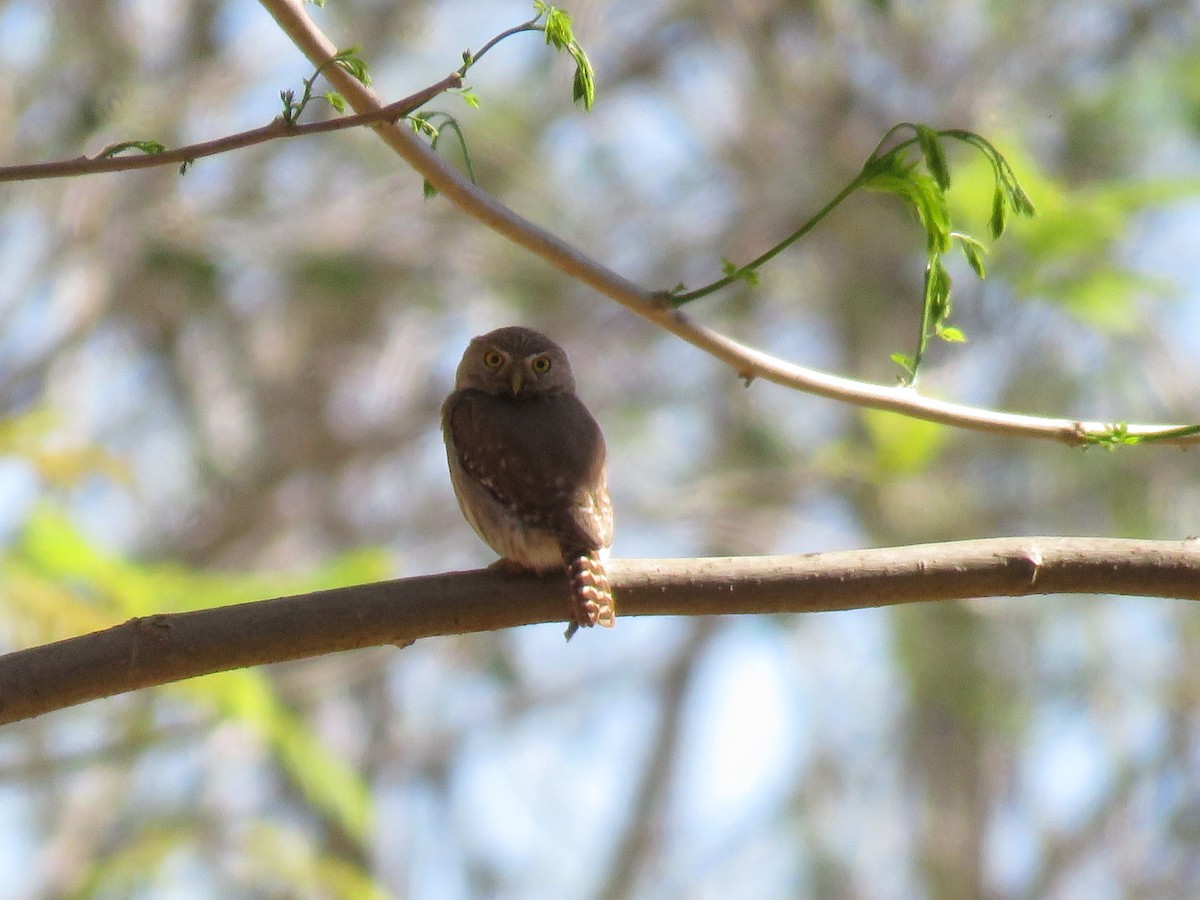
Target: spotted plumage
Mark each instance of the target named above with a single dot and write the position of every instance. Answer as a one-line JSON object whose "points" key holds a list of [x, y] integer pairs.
{"points": [[527, 461]]}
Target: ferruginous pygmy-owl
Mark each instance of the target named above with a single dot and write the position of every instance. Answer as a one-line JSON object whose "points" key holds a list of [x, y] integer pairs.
{"points": [[528, 465]]}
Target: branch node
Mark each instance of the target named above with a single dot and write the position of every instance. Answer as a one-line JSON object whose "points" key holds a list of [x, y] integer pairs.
{"points": [[662, 301], [146, 628], [155, 626]]}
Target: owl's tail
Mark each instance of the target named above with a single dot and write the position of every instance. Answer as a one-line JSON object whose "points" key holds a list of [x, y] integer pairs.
{"points": [[591, 594]]}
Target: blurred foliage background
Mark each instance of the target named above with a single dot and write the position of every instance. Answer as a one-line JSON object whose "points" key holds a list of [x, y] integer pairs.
{"points": [[225, 386]]}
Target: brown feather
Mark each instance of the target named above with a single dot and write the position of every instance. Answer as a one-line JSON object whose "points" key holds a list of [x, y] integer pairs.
{"points": [[527, 462], [543, 456]]}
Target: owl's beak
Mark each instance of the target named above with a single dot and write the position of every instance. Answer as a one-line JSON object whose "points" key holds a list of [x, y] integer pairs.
{"points": [[516, 379]]}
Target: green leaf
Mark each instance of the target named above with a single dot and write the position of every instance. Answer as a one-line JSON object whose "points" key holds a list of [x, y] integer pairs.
{"points": [[583, 86], [421, 124], [733, 270], [951, 334], [999, 212], [557, 26], [290, 111], [937, 292], [892, 173], [452, 124], [148, 147], [1112, 437], [349, 60], [1020, 200], [973, 251], [561, 36], [935, 156], [469, 97], [336, 100], [904, 361]]}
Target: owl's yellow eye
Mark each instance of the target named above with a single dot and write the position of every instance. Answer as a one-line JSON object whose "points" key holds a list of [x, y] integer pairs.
{"points": [[493, 359], [541, 365]]}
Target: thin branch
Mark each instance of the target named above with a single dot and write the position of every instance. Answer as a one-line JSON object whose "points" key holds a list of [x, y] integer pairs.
{"points": [[470, 59], [746, 361], [278, 128], [158, 649], [853, 185]]}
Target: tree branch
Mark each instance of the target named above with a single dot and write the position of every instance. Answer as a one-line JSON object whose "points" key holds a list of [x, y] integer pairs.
{"points": [[158, 649], [278, 128], [655, 306]]}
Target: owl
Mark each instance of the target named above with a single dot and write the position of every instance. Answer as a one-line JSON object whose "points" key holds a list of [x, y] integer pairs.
{"points": [[527, 461]]}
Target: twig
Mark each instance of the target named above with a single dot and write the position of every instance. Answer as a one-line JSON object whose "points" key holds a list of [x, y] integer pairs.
{"points": [[278, 128], [747, 362], [470, 59], [158, 649]]}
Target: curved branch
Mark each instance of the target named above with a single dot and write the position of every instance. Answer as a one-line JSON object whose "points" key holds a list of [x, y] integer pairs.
{"points": [[158, 649], [278, 128], [657, 308]]}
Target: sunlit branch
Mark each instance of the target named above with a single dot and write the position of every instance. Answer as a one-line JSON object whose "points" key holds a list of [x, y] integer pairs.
{"points": [[155, 650], [747, 362]]}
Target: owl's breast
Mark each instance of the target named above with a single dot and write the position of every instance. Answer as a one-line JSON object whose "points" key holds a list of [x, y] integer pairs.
{"points": [[536, 462], [501, 526]]}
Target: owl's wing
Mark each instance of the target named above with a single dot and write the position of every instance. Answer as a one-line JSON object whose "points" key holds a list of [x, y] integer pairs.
{"points": [[542, 457]]}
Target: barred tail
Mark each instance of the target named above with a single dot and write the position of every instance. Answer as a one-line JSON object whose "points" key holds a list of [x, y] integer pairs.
{"points": [[591, 594]]}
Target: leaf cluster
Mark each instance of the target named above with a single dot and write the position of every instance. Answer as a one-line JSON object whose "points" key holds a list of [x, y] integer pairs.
{"points": [[425, 124], [349, 60], [923, 189], [560, 36], [1118, 435], [556, 25]]}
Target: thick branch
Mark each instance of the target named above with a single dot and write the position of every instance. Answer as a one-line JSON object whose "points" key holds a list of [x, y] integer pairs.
{"points": [[278, 128], [746, 361], [158, 649]]}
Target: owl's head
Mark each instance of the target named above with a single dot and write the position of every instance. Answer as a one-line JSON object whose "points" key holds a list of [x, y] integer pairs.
{"points": [[515, 362]]}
